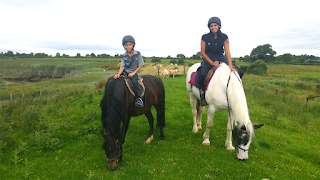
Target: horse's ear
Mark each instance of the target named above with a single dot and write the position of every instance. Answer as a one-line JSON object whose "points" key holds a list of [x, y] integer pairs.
{"points": [[257, 126], [103, 135]]}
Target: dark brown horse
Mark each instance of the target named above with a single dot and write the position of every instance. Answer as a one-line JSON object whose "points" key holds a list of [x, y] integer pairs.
{"points": [[117, 106]]}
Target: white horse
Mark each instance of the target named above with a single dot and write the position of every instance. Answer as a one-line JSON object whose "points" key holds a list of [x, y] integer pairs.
{"points": [[224, 92]]}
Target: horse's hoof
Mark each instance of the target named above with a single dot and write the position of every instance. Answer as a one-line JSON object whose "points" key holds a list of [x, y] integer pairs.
{"points": [[195, 130], [206, 142], [230, 150], [150, 139]]}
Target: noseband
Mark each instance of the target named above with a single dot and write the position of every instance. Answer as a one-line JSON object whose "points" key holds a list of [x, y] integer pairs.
{"points": [[119, 154]]}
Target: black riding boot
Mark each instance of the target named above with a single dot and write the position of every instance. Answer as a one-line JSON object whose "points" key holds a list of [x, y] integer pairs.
{"points": [[203, 98]]}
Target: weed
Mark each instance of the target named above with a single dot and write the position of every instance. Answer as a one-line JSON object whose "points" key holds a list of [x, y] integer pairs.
{"points": [[46, 139], [91, 116], [100, 84]]}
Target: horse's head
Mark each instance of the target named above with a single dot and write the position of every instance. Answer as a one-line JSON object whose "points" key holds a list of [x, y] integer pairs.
{"points": [[112, 148], [242, 137]]}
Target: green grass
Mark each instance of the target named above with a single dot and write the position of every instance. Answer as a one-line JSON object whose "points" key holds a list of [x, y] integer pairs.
{"points": [[56, 136]]}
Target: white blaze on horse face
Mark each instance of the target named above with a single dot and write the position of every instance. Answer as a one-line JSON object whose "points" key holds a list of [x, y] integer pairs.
{"points": [[242, 155]]}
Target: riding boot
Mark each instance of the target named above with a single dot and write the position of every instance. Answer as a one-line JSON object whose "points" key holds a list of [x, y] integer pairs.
{"points": [[203, 98]]}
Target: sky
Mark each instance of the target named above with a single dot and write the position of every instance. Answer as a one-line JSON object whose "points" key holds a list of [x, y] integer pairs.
{"points": [[160, 28]]}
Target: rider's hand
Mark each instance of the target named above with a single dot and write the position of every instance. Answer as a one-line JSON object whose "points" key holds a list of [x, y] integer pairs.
{"points": [[215, 63], [232, 69], [116, 76], [130, 75]]}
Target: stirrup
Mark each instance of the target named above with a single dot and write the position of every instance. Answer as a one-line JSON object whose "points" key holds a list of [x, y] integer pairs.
{"points": [[139, 103]]}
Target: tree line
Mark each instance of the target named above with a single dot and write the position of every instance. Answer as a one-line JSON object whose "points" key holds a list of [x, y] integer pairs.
{"points": [[268, 55], [11, 54], [262, 52]]}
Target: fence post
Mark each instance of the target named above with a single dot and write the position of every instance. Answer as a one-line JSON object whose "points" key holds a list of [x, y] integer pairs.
{"points": [[158, 70], [11, 96], [23, 95]]}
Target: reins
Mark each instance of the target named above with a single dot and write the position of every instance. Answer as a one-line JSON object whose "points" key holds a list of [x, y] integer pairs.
{"points": [[125, 116]]}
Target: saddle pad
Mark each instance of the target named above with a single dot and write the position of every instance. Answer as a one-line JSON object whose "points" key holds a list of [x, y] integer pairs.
{"points": [[207, 79], [131, 88]]}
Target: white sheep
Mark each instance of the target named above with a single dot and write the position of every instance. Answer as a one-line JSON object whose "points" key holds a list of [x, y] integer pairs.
{"points": [[171, 64], [173, 72], [165, 73]]}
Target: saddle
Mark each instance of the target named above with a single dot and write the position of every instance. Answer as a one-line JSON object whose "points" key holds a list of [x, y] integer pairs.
{"points": [[130, 86], [195, 76]]}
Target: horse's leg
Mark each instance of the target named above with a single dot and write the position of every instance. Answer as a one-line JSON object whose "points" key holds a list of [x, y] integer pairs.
{"points": [[151, 121], [194, 103], [211, 111], [228, 143], [200, 111]]}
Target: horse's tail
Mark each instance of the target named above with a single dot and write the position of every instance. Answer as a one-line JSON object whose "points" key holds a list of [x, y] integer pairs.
{"points": [[160, 104]]}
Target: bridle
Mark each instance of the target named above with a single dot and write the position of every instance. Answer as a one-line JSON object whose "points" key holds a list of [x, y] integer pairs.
{"points": [[238, 147]]}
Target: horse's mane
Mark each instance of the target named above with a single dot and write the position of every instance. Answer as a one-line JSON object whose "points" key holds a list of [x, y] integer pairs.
{"points": [[238, 99], [112, 110]]}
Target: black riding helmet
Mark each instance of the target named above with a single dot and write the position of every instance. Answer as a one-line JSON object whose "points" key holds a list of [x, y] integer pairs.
{"points": [[214, 20], [128, 38]]}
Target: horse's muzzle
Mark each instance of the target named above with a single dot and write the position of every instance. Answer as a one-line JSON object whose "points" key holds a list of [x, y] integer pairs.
{"points": [[112, 165]]}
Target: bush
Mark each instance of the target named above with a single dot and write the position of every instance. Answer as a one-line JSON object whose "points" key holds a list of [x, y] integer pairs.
{"points": [[173, 61], [181, 61], [259, 67], [155, 59], [244, 68]]}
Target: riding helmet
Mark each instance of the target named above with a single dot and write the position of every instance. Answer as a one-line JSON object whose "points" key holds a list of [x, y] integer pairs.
{"points": [[128, 38], [214, 20]]}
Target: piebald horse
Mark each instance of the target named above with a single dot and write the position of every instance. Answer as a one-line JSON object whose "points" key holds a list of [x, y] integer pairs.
{"points": [[224, 92]]}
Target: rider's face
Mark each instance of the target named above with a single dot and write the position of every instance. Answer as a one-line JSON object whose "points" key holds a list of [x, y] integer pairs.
{"points": [[214, 27]]}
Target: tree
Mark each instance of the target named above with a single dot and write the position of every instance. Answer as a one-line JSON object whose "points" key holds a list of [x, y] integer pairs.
{"points": [[9, 54], [286, 58], [263, 52], [78, 55], [93, 55], [58, 55], [196, 56], [246, 58], [181, 56]]}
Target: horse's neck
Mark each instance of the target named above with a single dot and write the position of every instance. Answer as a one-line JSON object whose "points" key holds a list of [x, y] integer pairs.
{"points": [[237, 100]]}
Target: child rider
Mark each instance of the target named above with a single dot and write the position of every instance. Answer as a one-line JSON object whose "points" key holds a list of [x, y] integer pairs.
{"points": [[131, 63]]}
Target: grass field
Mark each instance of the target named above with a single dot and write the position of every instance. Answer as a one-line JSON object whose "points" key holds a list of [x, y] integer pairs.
{"points": [[55, 135]]}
